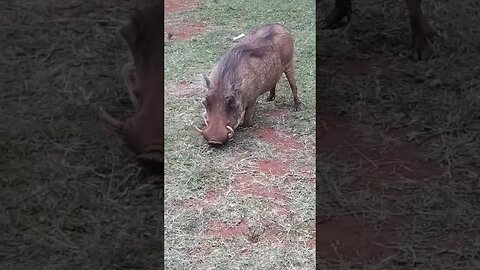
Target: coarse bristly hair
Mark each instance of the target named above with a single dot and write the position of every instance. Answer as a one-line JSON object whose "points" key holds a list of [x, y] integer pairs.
{"points": [[244, 51]]}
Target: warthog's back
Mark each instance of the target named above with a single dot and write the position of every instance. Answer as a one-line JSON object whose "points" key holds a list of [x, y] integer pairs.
{"points": [[256, 62], [278, 35]]}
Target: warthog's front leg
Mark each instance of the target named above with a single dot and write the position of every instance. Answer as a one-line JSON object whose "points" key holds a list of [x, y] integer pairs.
{"points": [[420, 31], [247, 119], [343, 8]]}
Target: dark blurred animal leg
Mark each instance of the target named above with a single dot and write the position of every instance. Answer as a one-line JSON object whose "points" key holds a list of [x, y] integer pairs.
{"points": [[290, 73], [247, 119], [420, 31], [271, 97], [343, 8]]}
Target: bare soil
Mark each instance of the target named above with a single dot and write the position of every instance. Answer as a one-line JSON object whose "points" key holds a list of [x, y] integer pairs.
{"points": [[180, 31], [382, 158], [267, 181], [172, 6], [184, 31]]}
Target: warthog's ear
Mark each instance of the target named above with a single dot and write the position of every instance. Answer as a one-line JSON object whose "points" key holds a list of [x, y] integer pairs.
{"points": [[207, 81]]}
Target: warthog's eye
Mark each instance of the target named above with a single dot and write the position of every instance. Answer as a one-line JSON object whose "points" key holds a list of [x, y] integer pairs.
{"points": [[230, 101]]}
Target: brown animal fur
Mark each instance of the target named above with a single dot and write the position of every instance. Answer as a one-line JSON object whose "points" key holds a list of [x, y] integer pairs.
{"points": [[248, 70], [143, 132], [420, 29]]}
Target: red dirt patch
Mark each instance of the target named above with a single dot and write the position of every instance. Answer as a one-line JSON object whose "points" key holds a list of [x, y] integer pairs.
{"points": [[274, 167], [353, 238], [341, 139], [171, 6], [184, 30], [380, 157], [214, 195], [282, 211], [184, 89], [245, 185], [211, 197], [183, 85], [284, 142], [225, 231], [278, 113]]}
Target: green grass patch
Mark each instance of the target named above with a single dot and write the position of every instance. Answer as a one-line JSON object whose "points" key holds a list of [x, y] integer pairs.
{"points": [[193, 169]]}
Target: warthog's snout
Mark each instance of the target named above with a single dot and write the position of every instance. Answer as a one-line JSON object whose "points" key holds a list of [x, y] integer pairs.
{"points": [[143, 131], [142, 141], [217, 136]]}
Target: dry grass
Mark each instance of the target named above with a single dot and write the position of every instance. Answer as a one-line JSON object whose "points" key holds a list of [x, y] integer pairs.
{"points": [[221, 207], [70, 196], [431, 106]]}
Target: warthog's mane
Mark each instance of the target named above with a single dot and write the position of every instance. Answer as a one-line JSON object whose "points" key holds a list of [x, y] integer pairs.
{"points": [[229, 64]]}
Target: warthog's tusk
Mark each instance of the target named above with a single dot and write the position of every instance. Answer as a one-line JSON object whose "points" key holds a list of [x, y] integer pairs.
{"points": [[112, 123], [205, 118], [199, 130], [231, 133]]}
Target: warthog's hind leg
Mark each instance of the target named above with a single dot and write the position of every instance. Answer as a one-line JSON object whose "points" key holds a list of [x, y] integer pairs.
{"points": [[290, 73], [421, 31], [271, 97]]}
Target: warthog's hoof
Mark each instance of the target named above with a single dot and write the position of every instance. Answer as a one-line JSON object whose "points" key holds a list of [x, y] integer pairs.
{"points": [[421, 49], [421, 52], [296, 107], [153, 162], [270, 98]]}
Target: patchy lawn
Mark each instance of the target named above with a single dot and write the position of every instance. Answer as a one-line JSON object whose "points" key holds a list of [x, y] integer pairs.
{"points": [[70, 195], [398, 150], [250, 204]]}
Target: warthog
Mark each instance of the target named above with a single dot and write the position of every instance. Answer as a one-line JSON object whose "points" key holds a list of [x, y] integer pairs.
{"points": [[249, 69], [143, 132], [420, 29]]}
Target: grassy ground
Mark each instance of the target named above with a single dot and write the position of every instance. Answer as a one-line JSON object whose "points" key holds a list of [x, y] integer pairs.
{"points": [[428, 112], [250, 204], [70, 197]]}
